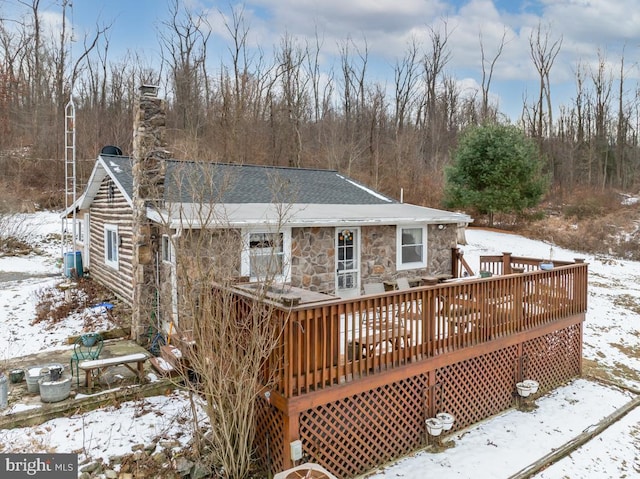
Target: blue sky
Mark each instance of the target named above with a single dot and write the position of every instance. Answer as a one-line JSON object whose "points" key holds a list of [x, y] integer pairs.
{"points": [[586, 27]]}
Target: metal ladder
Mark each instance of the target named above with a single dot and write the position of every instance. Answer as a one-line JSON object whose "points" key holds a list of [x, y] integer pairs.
{"points": [[70, 186]]}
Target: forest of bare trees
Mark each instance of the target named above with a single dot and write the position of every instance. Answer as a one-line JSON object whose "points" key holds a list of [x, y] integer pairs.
{"points": [[284, 107]]}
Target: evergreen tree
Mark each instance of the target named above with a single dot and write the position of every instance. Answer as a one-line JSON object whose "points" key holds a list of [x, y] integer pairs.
{"points": [[496, 169]]}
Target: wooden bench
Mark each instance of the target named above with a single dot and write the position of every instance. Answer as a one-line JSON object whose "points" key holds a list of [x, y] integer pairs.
{"points": [[101, 365]]}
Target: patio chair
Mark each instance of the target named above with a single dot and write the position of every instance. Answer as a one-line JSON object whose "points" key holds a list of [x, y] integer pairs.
{"points": [[403, 284], [383, 328], [86, 347], [374, 288], [411, 310]]}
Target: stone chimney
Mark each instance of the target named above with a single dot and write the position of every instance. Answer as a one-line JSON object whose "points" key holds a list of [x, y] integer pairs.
{"points": [[148, 168], [149, 145]]}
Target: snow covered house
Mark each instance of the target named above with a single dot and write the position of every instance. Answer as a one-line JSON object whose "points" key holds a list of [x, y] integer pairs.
{"points": [[328, 233], [356, 373]]}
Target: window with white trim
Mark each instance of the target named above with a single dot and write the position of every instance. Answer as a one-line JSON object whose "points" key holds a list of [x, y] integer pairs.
{"points": [[80, 230], [166, 248], [111, 243], [411, 247], [266, 255]]}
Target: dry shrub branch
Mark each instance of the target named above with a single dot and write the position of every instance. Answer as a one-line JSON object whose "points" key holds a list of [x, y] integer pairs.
{"points": [[231, 331]]}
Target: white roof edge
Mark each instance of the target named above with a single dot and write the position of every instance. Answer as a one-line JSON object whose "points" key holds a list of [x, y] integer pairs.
{"points": [[93, 185], [115, 180], [235, 216]]}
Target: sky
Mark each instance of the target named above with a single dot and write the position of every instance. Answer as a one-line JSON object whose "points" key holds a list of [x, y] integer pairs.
{"points": [[498, 447], [586, 28]]}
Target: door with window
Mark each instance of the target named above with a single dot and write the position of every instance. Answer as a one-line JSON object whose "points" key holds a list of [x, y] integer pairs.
{"points": [[347, 262]]}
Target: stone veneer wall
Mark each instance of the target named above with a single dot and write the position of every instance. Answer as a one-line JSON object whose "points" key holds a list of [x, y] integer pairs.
{"points": [[313, 255], [439, 247], [313, 258]]}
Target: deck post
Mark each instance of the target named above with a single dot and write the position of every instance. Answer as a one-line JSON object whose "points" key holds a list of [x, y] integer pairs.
{"points": [[455, 260], [506, 263], [291, 430], [431, 411]]}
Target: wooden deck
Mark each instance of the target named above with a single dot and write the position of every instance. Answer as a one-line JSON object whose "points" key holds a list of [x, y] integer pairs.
{"points": [[340, 340], [370, 365]]}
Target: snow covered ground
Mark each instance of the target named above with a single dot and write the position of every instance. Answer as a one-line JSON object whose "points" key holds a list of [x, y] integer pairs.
{"points": [[498, 447]]}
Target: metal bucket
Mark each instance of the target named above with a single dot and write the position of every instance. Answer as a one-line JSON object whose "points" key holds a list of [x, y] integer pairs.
{"points": [[54, 391], [33, 374], [16, 375], [4, 391], [55, 373]]}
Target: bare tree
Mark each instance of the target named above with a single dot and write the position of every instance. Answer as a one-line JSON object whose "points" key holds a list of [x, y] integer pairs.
{"points": [[431, 116], [352, 138], [488, 75], [293, 85], [622, 130], [185, 39], [434, 62], [602, 81], [543, 52], [405, 77]]}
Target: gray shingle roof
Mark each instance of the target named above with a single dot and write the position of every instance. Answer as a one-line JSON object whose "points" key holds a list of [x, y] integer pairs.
{"points": [[195, 182]]}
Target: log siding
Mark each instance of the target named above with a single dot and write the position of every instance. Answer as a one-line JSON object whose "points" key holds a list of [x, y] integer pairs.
{"points": [[111, 208]]}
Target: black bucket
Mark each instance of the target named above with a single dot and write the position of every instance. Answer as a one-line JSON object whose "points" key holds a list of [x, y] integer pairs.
{"points": [[55, 373]]}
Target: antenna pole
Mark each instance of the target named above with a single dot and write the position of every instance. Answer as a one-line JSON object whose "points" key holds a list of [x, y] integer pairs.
{"points": [[70, 186]]}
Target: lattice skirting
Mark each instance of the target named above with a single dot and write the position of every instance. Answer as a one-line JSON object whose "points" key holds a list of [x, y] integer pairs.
{"points": [[269, 443], [353, 435]]}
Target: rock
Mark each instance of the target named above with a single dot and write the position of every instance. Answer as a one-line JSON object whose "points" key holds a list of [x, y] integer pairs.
{"points": [[182, 465], [169, 444], [137, 447], [115, 460], [159, 458], [84, 475], [92, 467], [198, 471], [150, 448], [110, 474]]}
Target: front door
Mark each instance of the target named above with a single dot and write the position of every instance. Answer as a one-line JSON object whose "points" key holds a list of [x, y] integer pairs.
{"points": [[347, 262]]}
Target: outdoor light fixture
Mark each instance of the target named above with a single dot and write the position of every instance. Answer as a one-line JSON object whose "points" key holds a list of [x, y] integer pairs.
{"points": [[441, 227]]}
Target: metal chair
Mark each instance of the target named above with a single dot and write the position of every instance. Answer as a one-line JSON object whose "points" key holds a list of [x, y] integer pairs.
{"points": [[86, 347]]}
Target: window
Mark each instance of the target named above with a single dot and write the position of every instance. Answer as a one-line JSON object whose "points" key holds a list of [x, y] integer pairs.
{"points": [[411, 248], [166, 248], [266, 255], [111, 242], [79, 231], [111, 191]]}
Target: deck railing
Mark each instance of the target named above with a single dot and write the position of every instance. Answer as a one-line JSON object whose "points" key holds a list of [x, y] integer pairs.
{"points": [[341, 340]]}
